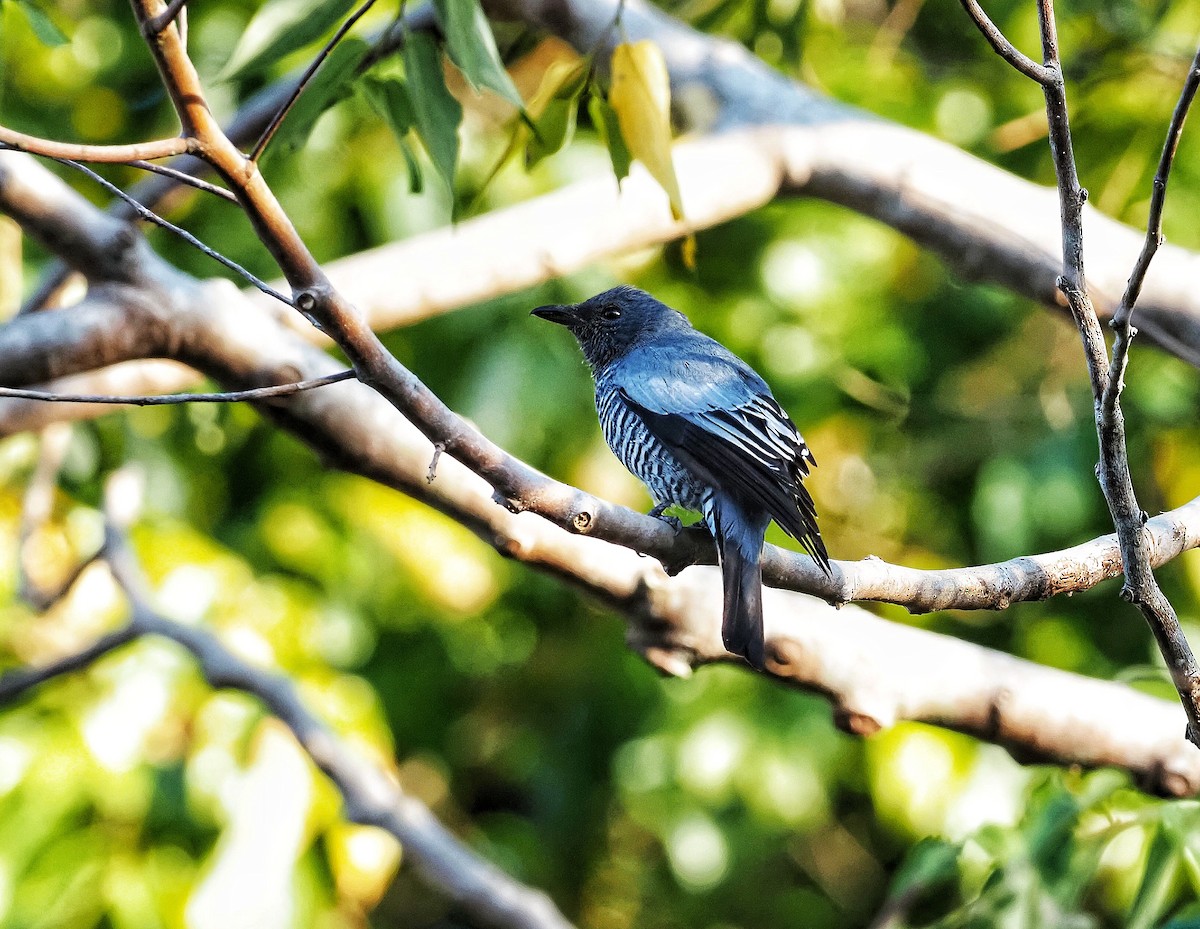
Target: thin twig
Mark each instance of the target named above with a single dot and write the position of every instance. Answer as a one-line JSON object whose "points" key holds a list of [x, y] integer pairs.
{"points": [[16, 683], [232, 396], [305, 79], [102, 154], [151, 216], [1004, 48], [167, 16], [1129, 519], [1121, 325], [184, 178]]}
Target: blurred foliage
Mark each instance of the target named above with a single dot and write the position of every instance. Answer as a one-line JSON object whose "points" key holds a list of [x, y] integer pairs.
{"points": [[952, 423]]}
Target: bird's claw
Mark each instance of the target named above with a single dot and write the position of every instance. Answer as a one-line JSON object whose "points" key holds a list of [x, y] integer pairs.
{"points": [[673, 521]]}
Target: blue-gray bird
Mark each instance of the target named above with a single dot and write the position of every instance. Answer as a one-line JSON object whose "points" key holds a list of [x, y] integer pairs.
{"points": [[702, 430]]}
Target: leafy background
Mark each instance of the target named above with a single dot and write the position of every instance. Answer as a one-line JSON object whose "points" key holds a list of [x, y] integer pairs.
{"points": [[952, 423]]}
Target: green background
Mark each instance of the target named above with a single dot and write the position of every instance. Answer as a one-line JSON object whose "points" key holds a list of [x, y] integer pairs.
{"points": [[952, 423]]}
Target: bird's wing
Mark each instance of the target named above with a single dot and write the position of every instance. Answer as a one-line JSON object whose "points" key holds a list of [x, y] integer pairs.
{"points": [[719, 418]]}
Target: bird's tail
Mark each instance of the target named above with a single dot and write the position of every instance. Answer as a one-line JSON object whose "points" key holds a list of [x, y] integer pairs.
{"points": [[739, 543]]}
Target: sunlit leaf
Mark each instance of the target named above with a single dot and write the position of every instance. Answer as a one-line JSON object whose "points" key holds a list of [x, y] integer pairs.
{"points": [[472, 48], [436, 112], [330, 84], [641, 97], [604, 118], [279, 27], [42, 25]]}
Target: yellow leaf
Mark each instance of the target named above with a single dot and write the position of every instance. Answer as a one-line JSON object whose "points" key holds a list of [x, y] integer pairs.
{"points": [[641, 97]]}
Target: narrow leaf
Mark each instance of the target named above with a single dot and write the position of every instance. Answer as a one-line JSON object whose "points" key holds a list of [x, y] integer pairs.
{"points": [[416, 179], [641, 96], [330, 84], [280, 27], [42, 25], [1162, 865], [472, 48], [604, 118], [435, 110]]}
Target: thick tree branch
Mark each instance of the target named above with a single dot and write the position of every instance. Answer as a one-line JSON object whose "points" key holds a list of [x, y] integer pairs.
{"points": [[353, 428], [202, 331]]}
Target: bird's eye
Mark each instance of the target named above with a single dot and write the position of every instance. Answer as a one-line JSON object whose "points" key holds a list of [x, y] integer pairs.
{"points": [[610, 312]]}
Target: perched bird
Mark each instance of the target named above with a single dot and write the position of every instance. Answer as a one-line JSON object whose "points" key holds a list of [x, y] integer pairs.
{"points": [[702, 431]]}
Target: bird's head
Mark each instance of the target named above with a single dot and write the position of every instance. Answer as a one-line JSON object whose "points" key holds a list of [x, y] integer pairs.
{"points": [[609, 324]]}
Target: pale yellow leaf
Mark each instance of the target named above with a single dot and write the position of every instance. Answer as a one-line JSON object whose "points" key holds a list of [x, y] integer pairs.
{"points": [[641, 97]]}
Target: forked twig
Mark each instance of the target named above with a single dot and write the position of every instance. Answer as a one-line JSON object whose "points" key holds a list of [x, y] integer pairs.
{"points": [[1140, 586]]}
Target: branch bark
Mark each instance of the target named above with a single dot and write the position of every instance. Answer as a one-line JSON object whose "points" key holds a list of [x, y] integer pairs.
{"points": [[874, 673]]}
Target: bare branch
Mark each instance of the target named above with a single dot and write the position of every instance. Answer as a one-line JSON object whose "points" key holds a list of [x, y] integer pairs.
{"points": [[310, 72], [486, 894], [223, 339], [15, 684], [233, 396], [151, 216], [104, 154], [1003, 47], [1140, 587], [1121, 326], [184, 178], [167, 16]]}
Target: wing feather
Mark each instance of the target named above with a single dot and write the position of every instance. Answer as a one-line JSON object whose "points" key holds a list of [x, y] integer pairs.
{"points": [[732, 432]]}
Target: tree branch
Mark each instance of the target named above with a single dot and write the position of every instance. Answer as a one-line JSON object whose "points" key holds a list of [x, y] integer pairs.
{"points": [[104, 154], [1120, 324], [482, 891], [1140, 587], [233, 396], [1005, 49], [309, 73], [208, 327]]}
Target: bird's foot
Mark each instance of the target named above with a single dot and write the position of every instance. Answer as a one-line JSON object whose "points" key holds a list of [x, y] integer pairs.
{"points": [[673, 521]]}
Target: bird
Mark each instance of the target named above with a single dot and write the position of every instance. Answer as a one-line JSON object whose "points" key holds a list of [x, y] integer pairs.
{"points": [[703, 432]]}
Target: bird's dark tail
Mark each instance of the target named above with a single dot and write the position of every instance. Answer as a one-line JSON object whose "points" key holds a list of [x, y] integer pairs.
{"points": [[742, 615], [739, 538]]}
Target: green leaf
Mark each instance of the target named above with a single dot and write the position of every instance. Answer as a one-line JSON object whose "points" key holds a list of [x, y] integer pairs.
{"points": [[280, 27], [929, 863], [435, 110], [389, 97], [604, 118], [42, 25], [472, 48], [388, 94], [330, 84], [416, 178], [555, 125], [1162, 866]]}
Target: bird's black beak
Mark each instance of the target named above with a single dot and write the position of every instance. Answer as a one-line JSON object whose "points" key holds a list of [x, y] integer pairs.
{"points": [[562, 315]]}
